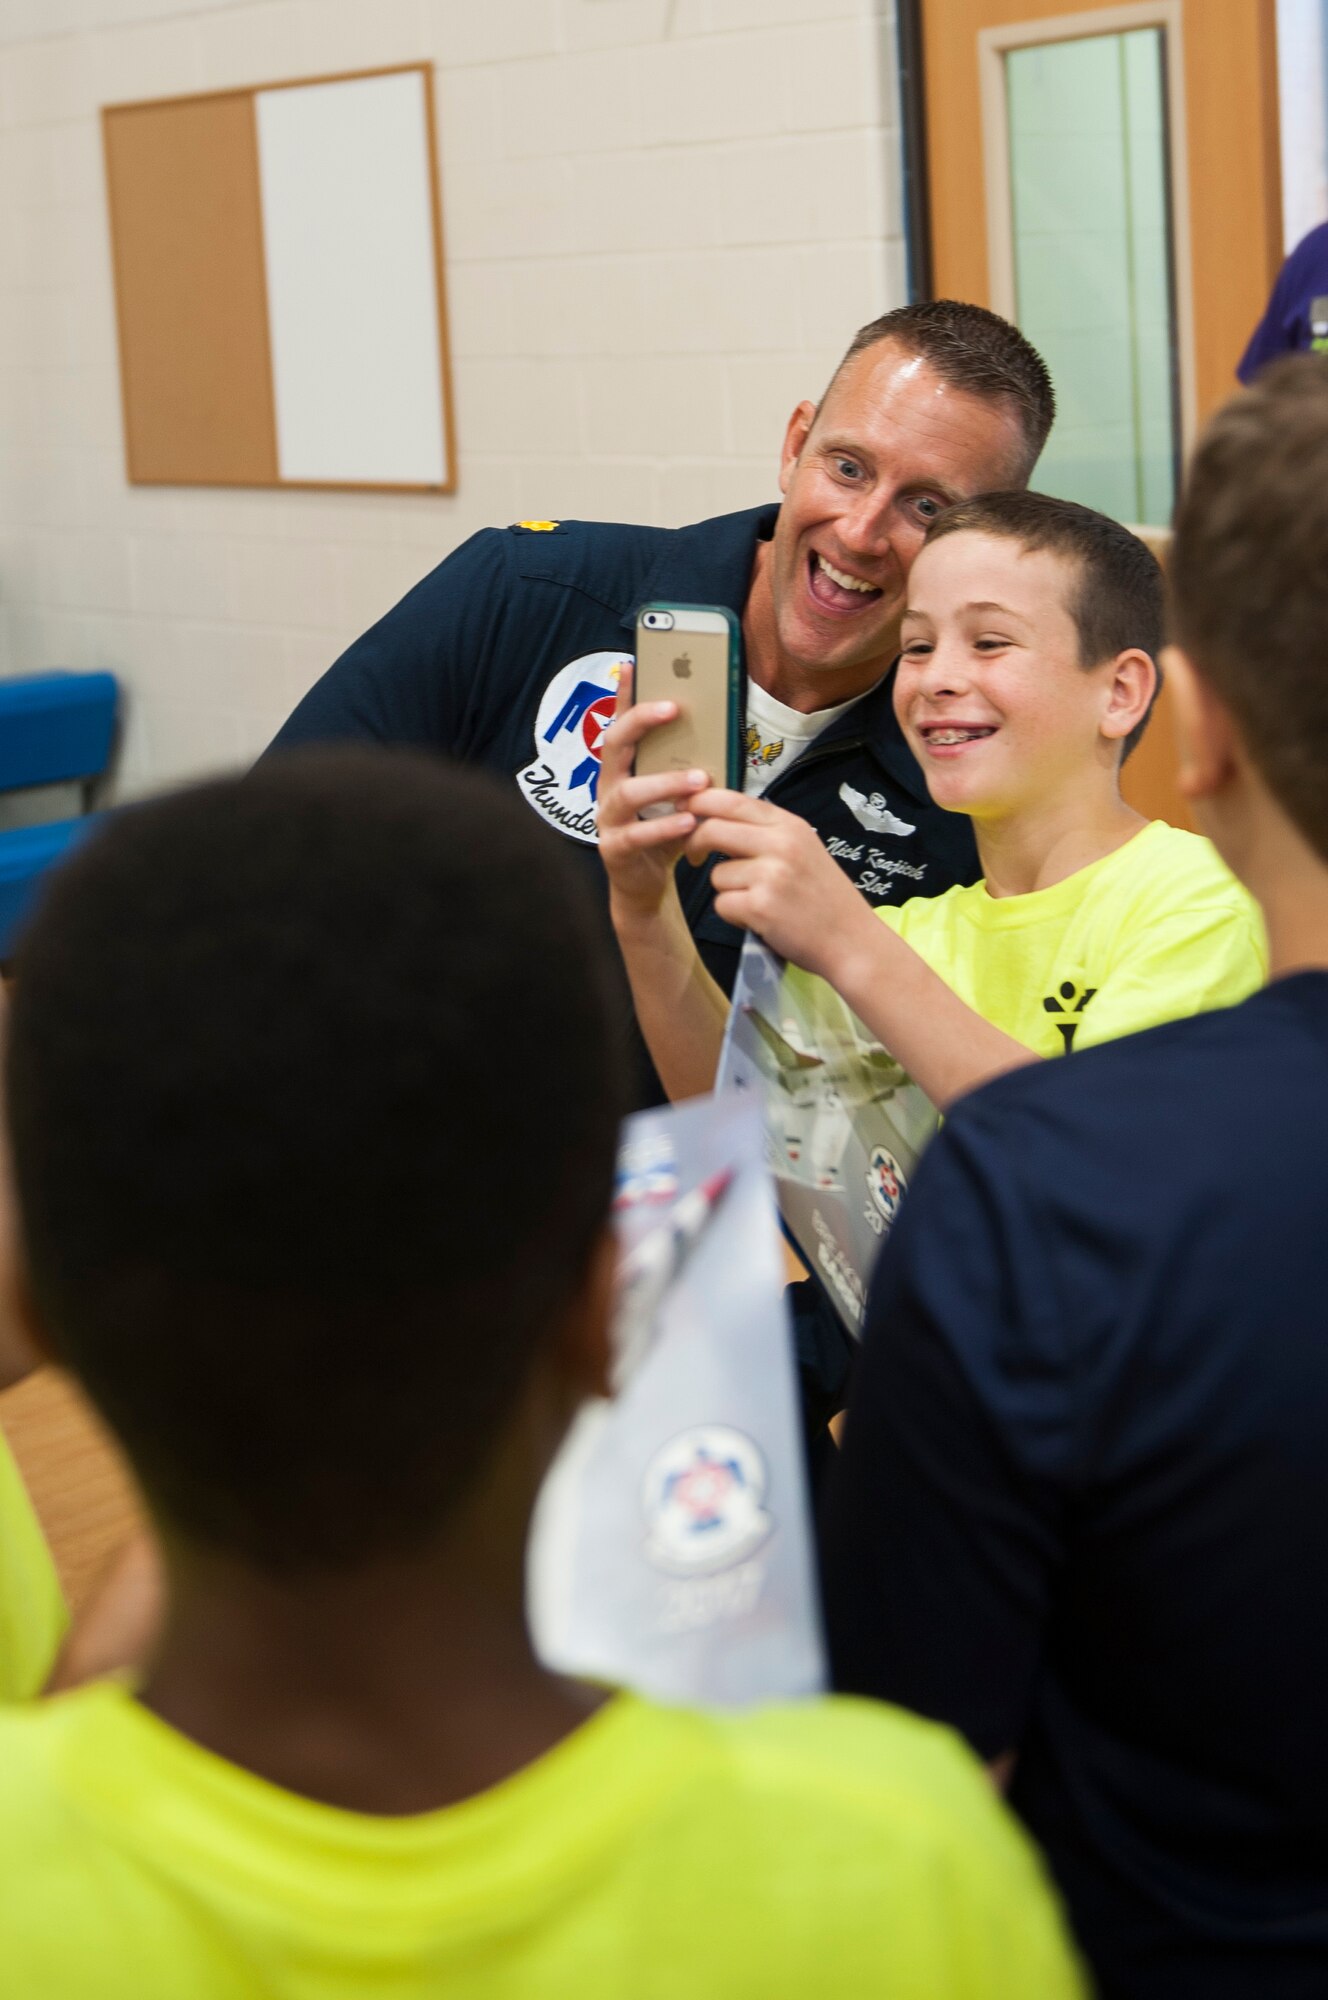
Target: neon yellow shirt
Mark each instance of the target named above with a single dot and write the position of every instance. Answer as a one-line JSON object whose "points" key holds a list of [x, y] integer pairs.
{"points": [[32, 1610], [831, 1848], [1158, 930]]}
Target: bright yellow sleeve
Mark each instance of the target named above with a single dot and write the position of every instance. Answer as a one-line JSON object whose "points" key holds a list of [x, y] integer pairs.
{"points": [[32, 1607], [1183, 964], [921, 1874]]}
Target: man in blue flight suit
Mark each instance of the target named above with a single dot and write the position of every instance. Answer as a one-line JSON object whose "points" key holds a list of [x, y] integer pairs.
{"points": [[509, 653]]}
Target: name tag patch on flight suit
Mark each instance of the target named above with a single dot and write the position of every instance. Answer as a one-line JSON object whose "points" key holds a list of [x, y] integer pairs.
{"points": [[562, 784]]}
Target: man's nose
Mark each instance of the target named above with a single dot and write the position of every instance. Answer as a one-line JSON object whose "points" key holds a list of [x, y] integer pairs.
{"points": [[866, 528]]}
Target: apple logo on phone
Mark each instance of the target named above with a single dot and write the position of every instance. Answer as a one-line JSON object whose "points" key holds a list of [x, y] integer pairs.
{"points": [[682, 666]]}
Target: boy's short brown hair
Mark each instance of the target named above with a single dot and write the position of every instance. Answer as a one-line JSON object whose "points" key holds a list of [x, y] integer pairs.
{"points": [[1118, 604], [1248, 575]]}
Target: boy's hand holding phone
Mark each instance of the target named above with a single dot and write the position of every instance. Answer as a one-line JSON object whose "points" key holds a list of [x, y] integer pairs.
{"points": [[675, 731], [640, 855], [779, 881]]}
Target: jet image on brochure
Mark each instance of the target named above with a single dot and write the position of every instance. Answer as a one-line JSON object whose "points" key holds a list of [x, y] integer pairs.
{"points": [[845, 1126]]}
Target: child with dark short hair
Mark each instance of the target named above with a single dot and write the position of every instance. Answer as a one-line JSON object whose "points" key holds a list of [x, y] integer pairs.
{"points": [[313, 1094], [1082, 1506]]}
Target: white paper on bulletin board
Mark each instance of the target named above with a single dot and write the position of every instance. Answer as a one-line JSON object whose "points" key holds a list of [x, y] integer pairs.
{"points": [[353, 307]]}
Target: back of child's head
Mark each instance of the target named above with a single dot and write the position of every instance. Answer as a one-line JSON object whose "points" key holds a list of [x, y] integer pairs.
{"points": [[313, 1086], [1117, 601], [1248, 574]]}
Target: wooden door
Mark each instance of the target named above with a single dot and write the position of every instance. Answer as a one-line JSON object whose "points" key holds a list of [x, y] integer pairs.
{"points": [[1217, 140]]}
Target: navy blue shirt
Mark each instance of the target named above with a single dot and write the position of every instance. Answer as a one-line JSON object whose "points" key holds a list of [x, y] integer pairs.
{"points": [[504, 656], [1289, 322], [1082, 1506]]}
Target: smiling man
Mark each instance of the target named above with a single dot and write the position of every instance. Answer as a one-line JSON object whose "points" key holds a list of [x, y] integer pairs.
{"points": [[509, 653]]}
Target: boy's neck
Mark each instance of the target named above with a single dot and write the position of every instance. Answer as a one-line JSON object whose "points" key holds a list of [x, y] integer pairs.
{"points": [[1041, 845], [395, 1689], [1284, 874]]}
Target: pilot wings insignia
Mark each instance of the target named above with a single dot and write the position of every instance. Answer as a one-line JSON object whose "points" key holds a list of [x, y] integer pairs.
{"points": [[759, 752], [873, 813]]}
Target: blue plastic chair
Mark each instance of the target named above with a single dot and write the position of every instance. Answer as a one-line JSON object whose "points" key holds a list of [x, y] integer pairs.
{"points": [[55, 728]]}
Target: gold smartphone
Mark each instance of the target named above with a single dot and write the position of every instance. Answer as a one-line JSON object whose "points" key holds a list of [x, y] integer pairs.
{"points": [[691, 654]]}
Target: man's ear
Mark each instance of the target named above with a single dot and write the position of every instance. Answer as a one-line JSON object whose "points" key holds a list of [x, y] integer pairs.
{"points": [[795, 437], [1133, 681], [1205, 734]]}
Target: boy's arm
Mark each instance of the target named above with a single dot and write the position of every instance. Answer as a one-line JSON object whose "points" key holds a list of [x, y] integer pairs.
{"points": [[781, 883], [681, 1010]]}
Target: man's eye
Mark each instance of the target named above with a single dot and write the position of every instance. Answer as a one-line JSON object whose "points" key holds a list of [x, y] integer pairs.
{"points": [[848, 468], [928, 507]]}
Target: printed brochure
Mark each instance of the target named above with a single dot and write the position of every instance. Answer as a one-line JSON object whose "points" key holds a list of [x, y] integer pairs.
{"points": [[844, 1125], [671, 1551]]}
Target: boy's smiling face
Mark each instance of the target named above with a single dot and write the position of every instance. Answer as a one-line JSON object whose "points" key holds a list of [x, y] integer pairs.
{"points": [[990, 690]]}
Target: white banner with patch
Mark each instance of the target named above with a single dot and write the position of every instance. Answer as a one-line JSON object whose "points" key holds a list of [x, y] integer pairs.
{"points": [[672, 1548], [576, 708], [845, 1126]]}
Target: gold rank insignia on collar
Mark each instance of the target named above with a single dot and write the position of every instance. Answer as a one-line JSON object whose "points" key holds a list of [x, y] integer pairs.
{"points": [[537, 527]]}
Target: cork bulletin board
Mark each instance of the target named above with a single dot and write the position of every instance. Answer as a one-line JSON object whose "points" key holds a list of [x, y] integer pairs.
{"points": [[279, 286]]}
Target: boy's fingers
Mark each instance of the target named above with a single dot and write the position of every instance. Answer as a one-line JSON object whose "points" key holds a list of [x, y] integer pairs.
{"points": [[732, 907], [732, 876], [631, 724], [728, 836], [647, 833], [626, 797], [716, 803]]}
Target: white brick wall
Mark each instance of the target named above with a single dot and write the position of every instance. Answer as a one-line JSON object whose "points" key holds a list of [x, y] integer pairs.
{"points": [[663, 220]]}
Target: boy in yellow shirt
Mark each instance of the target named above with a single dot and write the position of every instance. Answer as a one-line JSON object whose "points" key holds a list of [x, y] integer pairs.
{"points": [[1027, 673], [32, 1606], [333, 1260]]}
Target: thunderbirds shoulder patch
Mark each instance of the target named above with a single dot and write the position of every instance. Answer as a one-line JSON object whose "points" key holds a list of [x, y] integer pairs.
{"points": [[562, 784]]}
